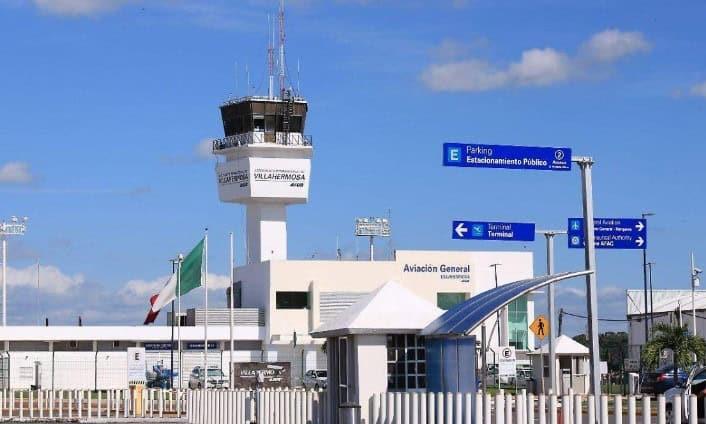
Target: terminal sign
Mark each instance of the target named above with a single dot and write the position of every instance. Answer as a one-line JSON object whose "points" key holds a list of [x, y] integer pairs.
{"points": [[610, 233], [510, 157], [506, 231]]}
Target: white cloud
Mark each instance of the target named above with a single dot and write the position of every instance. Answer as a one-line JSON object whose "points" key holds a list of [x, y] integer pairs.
{"points": [[698, 89], [51, 278], [203, 150], [15, 173], [535, 67], [80, 7], [612, 44]]}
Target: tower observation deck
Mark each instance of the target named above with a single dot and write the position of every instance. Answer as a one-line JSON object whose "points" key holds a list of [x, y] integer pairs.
{"points": [[267, 166]]}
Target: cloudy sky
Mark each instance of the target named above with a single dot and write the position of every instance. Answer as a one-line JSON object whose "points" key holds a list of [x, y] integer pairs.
{"points": [[107, 105]]}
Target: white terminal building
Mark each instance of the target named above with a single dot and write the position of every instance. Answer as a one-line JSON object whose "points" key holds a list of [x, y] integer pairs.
{"points": [[265, 165]]}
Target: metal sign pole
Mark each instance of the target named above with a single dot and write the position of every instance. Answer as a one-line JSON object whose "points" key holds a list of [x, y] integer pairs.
{"points": [[591, 287]]}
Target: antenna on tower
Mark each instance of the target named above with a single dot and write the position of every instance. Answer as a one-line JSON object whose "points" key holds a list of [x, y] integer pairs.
{"points": [[247, 79], [270, 56], [298, 75], [236, 77], [282, 66]]}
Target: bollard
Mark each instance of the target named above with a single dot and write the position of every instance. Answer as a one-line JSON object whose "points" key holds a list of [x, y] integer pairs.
{"points": [[542, 409], [487, 406], [618, 410], [552, 410], [604, 409], [661, 410], [89, 395], [71, 404], [30, 404], [160, 394], [51, 404], [508, 409], [431, 408], [499, 409], [591, 406], [646, 410], [79, 403], [632, 418], [693, 415], [566, 413], [21, 404], [578, 409], [440, 408], [40, 401], [414, 412], [529, 409]]}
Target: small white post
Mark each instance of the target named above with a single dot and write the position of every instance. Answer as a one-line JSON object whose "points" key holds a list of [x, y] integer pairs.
{"points": [[578, 409], [693, 415], [89, 398], [519, 410], [99, 404], [499, 409], [487, 408], [618, 410], [71, 404], [440, 408], [431, 408], [458, 409], [160, 393], [529, 411], [646, 410], [676, 410], [552, 409], [661, 410], [40, 396], [30, 403], [542, 409], [632, 413], [22, 413], [11, 403], [604, 409], [51, 404], [566, 415], [508, 409], [61, 404], [591, 401]]}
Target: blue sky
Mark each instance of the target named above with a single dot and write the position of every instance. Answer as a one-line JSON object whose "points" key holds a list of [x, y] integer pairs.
{"points": [[105, 103]]}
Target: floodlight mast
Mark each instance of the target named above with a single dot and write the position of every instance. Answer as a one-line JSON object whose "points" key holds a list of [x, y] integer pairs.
{"points": [[372, 227], [15, 227]]}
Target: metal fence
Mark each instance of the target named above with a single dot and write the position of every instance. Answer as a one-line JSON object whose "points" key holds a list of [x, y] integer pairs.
{"points": [[256, 406], [80, 404]]}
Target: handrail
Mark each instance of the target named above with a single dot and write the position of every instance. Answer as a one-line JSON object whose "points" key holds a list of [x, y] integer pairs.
{"points": [[251, 138]]}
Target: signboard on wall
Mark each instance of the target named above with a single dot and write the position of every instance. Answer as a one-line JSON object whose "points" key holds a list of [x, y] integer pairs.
{"points": [[280, 178], [250, 375], [136, 368]]}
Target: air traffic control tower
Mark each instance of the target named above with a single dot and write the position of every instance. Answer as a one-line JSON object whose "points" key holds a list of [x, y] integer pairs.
{"points": [[267, 158]]}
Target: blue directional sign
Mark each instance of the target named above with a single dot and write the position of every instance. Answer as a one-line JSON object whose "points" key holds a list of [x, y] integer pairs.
{"points": [[506, 231], [511, 157], [610, 233]]}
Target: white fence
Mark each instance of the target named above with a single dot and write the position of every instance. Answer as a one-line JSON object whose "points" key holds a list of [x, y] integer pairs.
{"points": [[79, 404], [464, 408], [261, 407]]}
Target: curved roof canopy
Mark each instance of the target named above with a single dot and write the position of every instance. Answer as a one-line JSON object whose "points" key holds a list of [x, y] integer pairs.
{"points": [[466, 316]]}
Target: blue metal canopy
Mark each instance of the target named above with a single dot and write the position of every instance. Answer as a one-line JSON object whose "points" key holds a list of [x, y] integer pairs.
{"points": [[466, 316]]}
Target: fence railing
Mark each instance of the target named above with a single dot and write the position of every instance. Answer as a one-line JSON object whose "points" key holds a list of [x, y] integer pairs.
{"points": [[79, 404], [466, 408], [265, 406]]}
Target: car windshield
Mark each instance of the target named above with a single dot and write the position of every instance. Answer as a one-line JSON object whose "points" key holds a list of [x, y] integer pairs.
{"points": [[321, 373], [215, 373]]}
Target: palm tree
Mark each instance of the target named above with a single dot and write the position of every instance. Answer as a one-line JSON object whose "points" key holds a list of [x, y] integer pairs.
{"points": [[678, 339]]}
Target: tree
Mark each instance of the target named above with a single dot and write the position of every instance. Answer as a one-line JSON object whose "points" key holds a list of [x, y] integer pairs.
{"points": [[678, 339], [613, 348]]}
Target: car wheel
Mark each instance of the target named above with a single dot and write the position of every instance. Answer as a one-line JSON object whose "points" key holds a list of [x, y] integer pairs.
{"points": [[316, 386]]}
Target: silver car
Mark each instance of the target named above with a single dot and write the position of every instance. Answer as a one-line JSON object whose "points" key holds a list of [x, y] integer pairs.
{"points": [[315, 379], [216, 378]]}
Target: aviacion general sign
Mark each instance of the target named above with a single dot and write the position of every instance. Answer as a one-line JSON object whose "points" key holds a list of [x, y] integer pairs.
{"points": [[510, 157]]}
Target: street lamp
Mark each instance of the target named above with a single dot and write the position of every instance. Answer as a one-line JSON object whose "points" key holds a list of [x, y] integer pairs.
{"points": [[695, 282], [15, 227]]}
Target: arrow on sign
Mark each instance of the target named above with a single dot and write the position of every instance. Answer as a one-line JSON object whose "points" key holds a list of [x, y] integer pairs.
{"points": [[640, 226], [461, 230], [639, 241]]}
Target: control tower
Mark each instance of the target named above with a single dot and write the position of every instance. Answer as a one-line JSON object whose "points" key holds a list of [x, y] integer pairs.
{"points": [[267, 159]]}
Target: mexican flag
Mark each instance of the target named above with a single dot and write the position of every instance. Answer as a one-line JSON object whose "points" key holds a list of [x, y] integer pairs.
{"points": [[191, 277]]}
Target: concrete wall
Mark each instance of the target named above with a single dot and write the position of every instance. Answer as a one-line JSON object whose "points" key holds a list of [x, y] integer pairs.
{"points": [[372, 368]]}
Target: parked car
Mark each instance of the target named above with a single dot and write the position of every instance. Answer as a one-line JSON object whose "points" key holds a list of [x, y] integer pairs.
{"points": [[315, 379], [695, 384], [661, 380], [216, 378]]}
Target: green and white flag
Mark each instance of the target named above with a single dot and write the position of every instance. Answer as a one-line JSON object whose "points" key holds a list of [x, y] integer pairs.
{"points": [[192, 270]]}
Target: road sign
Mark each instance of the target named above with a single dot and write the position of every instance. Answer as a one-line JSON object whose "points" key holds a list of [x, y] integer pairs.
{"points": [[631, 365], [507, 363], [610, 233], [136, 369], [540, 327], [506, 231], [510, 157]]}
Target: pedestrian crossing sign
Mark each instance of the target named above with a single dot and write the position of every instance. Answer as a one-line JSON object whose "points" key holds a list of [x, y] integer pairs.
{"points": [[540, 327]]}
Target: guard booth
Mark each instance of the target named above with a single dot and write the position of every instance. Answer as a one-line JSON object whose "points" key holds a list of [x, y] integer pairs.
{"points": [[374, 347], [572, 365]]}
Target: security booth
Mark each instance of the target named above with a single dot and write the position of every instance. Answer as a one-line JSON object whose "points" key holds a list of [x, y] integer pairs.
{"points": [[572, 365], [373, 347]]}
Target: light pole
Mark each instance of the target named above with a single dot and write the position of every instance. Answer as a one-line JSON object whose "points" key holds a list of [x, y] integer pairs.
{"points": [[644, 279], [13, 228], [652, 304], [497, 316], [695, 282], [549, 235]]}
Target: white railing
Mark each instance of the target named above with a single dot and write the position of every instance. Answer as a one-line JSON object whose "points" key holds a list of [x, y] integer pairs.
{"points": [[466, 408], [262, 406], [84, 404]]}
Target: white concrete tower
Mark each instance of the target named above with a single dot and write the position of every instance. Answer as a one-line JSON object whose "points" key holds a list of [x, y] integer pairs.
{"points": [[266, 168]]}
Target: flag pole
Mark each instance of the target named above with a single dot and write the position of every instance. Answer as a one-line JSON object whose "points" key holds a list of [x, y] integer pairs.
{"points": [[232, 303], [205, 321], [171, 346], [179, 261]]}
